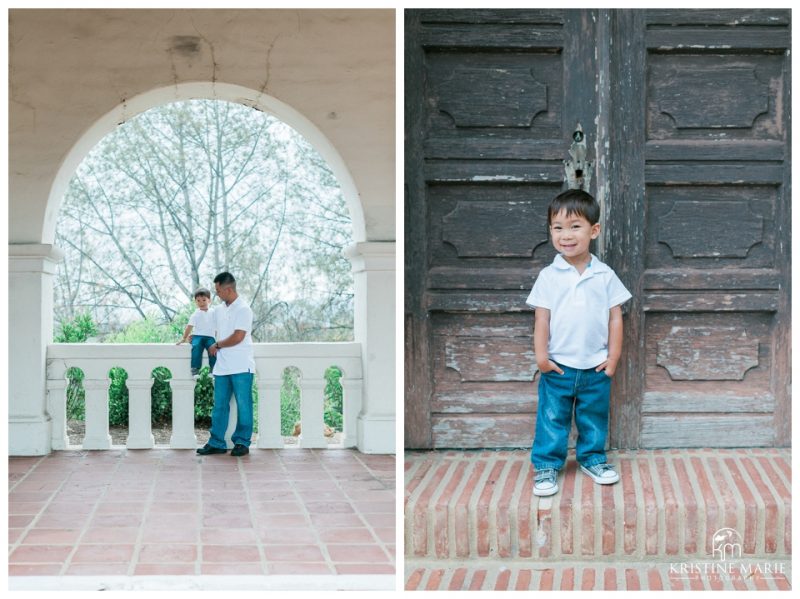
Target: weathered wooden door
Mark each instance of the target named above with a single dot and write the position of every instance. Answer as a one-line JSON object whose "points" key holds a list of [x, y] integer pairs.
{"points": [[687, 118]]}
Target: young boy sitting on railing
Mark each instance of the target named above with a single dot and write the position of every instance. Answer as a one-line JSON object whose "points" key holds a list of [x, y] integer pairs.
{"points": [[201, 330]]}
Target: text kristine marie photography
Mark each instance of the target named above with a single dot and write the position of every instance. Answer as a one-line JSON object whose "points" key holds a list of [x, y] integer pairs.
{"points": [[726, 549]]}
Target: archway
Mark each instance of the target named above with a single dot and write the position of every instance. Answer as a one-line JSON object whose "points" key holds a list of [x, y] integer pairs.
{"points": [[125, 116], [211, 91]]}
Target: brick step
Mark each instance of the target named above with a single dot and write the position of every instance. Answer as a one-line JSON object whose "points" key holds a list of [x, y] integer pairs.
{"points": [[633, 576], [668, 504]]}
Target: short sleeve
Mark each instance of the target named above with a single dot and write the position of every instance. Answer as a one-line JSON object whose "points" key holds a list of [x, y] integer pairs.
{"points": [[193, 319], [243, 321], [617, 292], [537, 298]]}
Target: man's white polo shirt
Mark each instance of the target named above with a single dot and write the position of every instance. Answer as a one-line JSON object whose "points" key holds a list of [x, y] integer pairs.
{"points": [[579, 307], [236, 358]]}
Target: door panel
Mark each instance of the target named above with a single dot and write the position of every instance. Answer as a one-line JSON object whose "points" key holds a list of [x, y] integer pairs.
{"points": [[715, 262], [686, 114], [499, 92]]}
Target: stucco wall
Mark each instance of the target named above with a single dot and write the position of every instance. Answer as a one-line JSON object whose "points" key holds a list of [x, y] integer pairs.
{"points": [[69, 68]]}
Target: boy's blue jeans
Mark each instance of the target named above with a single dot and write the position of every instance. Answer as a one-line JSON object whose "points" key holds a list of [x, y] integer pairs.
{"points": [[200, 343], [241, 386], [588, 391]]}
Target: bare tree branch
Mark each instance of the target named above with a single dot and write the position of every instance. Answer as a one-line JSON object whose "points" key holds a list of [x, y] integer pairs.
{"points": [[184, 191]]}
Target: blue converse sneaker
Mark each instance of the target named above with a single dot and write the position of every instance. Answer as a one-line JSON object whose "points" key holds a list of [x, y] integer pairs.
{"points": [[544, 483], [602, 474]]}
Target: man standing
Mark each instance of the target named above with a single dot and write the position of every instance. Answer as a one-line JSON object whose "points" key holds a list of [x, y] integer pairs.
{"points": [[233, 372]]}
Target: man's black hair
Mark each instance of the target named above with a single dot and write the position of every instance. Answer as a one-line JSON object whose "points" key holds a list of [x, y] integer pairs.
{"points": [[225, 278], [575, 201]]}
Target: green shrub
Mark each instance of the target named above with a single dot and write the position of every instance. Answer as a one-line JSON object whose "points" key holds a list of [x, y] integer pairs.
{"points": [[76, 395], [161, 397], [290, 401], [203, 398], [117, 398], [77, 330], [147, 330], [333, 398]]}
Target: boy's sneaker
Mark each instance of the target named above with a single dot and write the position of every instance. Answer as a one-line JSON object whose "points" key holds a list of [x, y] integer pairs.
{"points": [[602, 474], [195, 371], [544, 483]]}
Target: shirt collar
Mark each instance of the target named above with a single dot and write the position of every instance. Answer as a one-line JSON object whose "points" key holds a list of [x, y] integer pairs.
{"points": [[595, 267]]}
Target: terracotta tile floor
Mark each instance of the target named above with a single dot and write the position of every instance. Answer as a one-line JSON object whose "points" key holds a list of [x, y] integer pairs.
{"points": [[171, 512]]}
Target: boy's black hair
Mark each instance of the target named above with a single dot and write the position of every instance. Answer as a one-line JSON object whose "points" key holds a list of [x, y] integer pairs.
{"points": [[225, 279], [203, 292], [574, 201]]}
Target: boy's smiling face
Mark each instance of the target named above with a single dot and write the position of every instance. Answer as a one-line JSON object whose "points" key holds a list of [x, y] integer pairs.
{"points": [[571, 235]]}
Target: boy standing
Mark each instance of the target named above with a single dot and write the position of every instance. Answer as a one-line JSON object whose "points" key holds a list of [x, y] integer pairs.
{"points": [[201, 330], [577, 341]]}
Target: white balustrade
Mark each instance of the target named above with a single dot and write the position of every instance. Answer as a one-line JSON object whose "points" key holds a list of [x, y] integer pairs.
{"points": [[57, 408], [352, 389], [312, 399], [183, 435], [269, 412], [139, 361], [97, 436], [140, 433]]}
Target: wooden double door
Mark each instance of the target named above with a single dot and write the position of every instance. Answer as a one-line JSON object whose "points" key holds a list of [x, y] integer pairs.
{"points": [[687, 118]]}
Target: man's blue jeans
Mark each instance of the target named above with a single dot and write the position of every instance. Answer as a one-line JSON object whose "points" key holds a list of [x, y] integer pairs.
{"points": [[586, 390], [199, 344], [241, 386]]}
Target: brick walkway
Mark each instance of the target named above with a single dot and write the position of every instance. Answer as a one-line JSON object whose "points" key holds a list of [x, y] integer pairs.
{"points": [[593, 576], [173, 513], [473, 511]]}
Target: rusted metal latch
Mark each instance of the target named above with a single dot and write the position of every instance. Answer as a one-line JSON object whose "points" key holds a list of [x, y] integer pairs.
{"points": [[579, 171]]}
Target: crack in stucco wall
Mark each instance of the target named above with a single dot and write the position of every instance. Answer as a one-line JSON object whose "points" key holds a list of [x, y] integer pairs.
{"points": [[270, 47], [214, 64]]}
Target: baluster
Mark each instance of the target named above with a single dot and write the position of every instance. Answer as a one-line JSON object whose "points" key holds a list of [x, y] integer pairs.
{"points": [[312, 401], [140, 430], [97, 436], [269, 414], [57, 408], [183, 435], [352, 394]]}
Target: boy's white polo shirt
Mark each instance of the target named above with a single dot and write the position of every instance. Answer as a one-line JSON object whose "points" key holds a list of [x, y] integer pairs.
{"points": [[237, 358], [203, 322], [579, 307]]}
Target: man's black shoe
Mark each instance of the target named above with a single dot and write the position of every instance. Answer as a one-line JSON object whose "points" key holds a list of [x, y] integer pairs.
{"points": [[239, 450], [207, 449]]}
